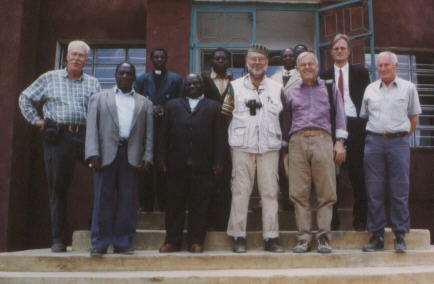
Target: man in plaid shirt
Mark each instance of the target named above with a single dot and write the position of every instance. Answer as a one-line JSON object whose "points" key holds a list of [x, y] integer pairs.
{"points": [[63, 96]]}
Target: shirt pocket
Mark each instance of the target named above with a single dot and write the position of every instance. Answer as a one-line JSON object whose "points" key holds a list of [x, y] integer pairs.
{"points": [[237, 136], [274, 136]]}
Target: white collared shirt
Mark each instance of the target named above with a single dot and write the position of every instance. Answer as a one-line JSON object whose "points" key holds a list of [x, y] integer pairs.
{"points": [[350, 108], [125, 109], [388, 107], [194, 101]]}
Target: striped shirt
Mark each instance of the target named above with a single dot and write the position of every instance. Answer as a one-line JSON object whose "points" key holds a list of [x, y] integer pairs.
{"points": [[63, 100]]}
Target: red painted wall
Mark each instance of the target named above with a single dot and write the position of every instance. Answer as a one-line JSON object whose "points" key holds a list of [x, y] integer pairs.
{"points": [[168, 26]]}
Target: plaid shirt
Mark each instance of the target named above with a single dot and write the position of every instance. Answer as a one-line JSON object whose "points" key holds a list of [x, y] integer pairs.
{"points": [[63, 100]]}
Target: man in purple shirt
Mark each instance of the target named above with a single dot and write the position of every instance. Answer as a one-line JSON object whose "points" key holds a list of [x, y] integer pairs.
{"points": [[309, 120]]}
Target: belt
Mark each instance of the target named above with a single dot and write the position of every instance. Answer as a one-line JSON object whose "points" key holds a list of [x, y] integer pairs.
{"points": [[122, 142], [311, 132], [389, 135], [73, 127]]}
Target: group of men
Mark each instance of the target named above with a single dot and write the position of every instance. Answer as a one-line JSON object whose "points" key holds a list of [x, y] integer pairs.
{"points": [[209, 133]]}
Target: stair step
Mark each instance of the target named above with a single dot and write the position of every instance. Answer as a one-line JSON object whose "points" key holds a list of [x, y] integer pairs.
{"points": [[378, 275], [155, 220], [43, 260], [219, 241]]}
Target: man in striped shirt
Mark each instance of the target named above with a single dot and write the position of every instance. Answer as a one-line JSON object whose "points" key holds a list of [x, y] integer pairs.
{"points": [[63, 96]]}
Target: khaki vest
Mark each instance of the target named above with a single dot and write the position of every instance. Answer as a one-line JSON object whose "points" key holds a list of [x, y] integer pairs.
{"points": [[259, 133]]}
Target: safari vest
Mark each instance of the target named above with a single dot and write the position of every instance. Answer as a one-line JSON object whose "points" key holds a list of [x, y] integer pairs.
{"points": [[258, 133]]}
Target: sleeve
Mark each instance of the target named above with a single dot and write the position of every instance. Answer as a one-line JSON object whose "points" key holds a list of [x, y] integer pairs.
{"points": [[413, 102], [228, 103], [149, 138], [286, 119], [92, 131], [35, 93], [341, 124], [364, 108]]}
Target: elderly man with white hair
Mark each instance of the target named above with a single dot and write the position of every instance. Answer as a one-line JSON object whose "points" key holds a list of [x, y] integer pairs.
{"points": [[63, 95], [313, 114], [391, 105]]}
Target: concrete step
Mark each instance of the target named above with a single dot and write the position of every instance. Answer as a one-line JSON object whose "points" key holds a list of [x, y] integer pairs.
{"points": [[377, 275], [155, 220], [43, 260], [219, 241]]}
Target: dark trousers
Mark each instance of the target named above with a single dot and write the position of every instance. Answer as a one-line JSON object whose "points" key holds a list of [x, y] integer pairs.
{"points": [[387, 168], [114, 213], [187, 191], [354, 163], [59, 158], [153, 186]]}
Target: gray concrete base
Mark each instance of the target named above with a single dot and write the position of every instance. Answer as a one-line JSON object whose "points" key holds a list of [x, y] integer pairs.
{"points": [[219, 241]]}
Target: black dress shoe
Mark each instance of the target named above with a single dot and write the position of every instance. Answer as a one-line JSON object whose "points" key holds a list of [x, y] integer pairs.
{"points": [[97, 252], [400, 245], [125, 250], [239, 245], [58, 247], [376, 243], [273, 245]]}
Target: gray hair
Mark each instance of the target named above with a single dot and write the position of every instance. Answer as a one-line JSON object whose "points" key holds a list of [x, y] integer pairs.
{"points": [[390, 54], [304, 54], [79, 43]]}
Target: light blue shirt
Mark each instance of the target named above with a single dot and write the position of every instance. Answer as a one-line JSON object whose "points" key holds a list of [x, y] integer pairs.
{"points": [[125, 109], [193, 102]]}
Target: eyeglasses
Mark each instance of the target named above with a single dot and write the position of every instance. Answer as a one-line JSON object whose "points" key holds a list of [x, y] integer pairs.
{"points": [[339, 48], [306, 64]]}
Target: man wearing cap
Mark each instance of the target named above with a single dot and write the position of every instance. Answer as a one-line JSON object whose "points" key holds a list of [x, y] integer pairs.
{"points": [[253, 107]]}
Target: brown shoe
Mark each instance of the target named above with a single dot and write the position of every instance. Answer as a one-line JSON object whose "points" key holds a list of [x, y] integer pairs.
{"points": [[196, 248], [168, 247]]}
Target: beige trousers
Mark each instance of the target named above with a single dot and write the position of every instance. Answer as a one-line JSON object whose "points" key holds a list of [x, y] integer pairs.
{"points": [[311, 160], [244, 166]]}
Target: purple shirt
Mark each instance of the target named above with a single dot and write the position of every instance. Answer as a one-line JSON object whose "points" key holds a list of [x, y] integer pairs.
{"points": [[308, 107]]}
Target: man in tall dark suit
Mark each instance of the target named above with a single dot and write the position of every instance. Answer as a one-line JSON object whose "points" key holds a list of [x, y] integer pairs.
{"points": [[191, 152], [119, 147], [216, 85], [352, 81], [159, 86]]}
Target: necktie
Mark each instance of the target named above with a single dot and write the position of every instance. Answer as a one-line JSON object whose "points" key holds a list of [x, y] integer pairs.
{"points": [[341, 83]]}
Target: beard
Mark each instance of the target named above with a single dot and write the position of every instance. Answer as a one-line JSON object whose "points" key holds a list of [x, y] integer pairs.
{"points": [[257, 73]]}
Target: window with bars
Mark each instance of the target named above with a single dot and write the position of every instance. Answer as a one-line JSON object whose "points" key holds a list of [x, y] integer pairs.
{"points": [[419, 69], [103, 60]]}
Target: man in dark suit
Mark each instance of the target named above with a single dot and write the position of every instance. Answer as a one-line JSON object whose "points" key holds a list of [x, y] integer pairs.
{"points": [[119, 147], [159, 86], [351, 81], [191, 152], [216, 85]]}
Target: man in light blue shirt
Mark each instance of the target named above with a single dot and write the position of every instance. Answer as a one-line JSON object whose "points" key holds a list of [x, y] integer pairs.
{"points": [[119, 146]]}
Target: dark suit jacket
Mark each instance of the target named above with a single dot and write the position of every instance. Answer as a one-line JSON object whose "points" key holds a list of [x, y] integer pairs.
{"points": [[210, 89], [171, 87], [192, 139], [359, 80]]}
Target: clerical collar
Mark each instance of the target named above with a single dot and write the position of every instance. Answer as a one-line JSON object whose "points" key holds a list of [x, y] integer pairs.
{"points": [[159, 72]]}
